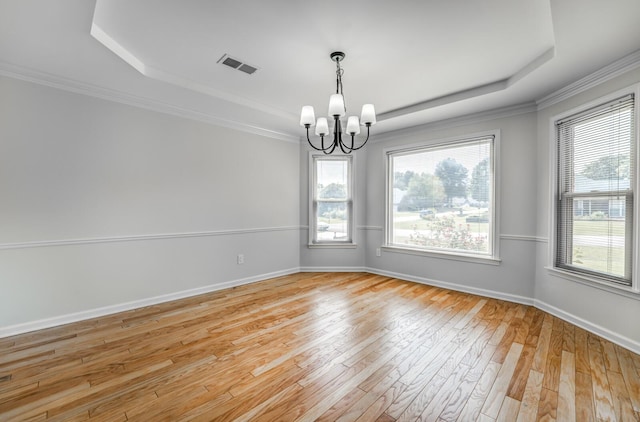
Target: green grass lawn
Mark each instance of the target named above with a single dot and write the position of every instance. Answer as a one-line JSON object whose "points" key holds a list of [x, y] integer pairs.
{"points": [[580, 227], [598, 227], [597, 258]]}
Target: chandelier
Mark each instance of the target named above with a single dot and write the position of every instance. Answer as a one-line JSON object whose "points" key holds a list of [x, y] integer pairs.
{"points": [[337, 110]]}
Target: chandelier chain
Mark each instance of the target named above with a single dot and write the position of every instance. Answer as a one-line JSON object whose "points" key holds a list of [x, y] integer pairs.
{"points": [[339, 87]]}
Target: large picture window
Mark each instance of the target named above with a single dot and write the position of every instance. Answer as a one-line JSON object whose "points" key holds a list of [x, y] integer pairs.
{"points": [[596, 168], [331, 200], [441, 198]]}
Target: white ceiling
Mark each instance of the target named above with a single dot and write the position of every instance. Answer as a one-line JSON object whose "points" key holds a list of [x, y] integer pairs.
{"points": [[417, 61]]}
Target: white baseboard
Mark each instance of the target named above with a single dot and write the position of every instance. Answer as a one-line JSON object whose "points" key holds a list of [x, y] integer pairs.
{"points": [[613, 337], [112, 309], [457, 287], [333, 270]]}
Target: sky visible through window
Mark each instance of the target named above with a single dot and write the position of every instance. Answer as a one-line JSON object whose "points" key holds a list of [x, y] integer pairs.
{"points": [[468, 155], [332, 171]]}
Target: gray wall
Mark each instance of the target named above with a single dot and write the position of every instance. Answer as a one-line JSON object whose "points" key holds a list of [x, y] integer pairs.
{"points": [[104, 206], [608, 312], [513, 278]]}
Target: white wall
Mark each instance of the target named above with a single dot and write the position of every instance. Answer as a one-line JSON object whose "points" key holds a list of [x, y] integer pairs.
{"points": [[612, 315], [103, 204]]}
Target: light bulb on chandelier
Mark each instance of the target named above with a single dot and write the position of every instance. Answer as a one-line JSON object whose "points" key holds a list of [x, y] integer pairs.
{"points": [[337, 110]]}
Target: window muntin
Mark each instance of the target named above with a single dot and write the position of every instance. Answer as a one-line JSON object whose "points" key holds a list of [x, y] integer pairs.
{"points": [[441, 198], [332, 204], [594, 205]]}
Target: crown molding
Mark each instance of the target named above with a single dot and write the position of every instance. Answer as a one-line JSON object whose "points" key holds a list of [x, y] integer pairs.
{"points": [[617, 68], [468, 119], [82, 88]]}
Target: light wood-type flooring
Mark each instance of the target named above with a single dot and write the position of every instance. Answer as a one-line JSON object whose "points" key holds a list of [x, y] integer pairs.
{"points": [[316, 346]]}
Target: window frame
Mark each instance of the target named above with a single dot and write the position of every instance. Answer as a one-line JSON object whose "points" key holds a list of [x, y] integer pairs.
{"points": [[586, 277], [491, 258], [349, 241]]}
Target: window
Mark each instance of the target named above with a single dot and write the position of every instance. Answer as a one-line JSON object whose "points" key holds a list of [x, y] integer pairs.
{"points": [[596, 151], [331, 200], [441, 198]]}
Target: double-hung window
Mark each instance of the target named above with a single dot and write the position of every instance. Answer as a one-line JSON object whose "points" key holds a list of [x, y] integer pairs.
{"points": [[441, 198], [596, 171], [331, 214]]}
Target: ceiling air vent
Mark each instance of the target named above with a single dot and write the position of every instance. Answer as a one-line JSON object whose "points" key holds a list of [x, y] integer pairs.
{"points": [[237, 64]]}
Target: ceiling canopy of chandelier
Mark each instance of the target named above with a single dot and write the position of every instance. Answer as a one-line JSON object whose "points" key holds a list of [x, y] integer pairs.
{"points": [[337, 110]]}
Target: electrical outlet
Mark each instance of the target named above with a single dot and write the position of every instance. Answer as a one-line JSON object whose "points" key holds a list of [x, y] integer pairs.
{"points": [[240, 259], [378, 252]]}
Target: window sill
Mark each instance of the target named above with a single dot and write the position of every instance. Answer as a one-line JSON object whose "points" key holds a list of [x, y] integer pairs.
{"points": [[486, 260], [332, 245], [627, 291]]}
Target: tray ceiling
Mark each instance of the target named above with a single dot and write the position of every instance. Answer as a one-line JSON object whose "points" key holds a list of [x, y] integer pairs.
{"points": [[417, 61]]}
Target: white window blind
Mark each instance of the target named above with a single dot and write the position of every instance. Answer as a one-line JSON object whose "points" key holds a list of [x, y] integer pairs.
{"points": [[596, 170]]}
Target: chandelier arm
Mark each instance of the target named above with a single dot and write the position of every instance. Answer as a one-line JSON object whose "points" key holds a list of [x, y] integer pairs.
{"points": [[343, 147], [313, 146], [309, 140], [329, 152], [338, 137], [365, 141], [330, 148]]}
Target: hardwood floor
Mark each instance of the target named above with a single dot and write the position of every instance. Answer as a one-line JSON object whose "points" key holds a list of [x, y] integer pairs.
{"points": [[310, 346]]}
